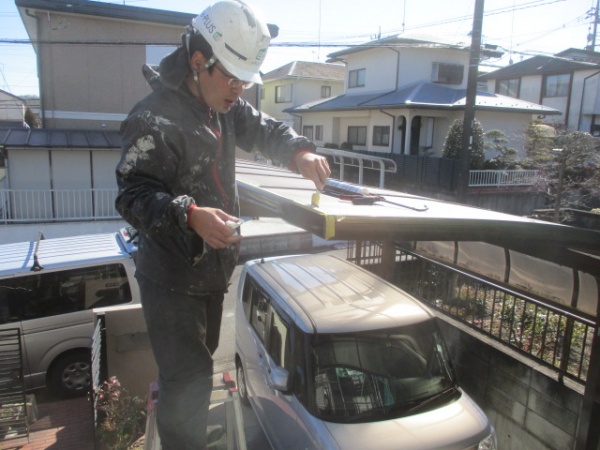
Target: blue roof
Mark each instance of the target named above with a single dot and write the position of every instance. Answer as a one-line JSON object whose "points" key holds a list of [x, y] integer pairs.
{"points": [[423, 95]]}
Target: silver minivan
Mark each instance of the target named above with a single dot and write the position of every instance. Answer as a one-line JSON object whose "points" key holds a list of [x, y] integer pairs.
{"points": [[49, 292], [330, 356]]}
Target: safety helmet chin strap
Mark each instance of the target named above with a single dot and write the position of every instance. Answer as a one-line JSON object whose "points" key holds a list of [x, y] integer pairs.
{"points": [[211, 62]]}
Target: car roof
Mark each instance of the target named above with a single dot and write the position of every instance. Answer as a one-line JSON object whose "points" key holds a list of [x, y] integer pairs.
{"points": [[327, 294], [76, 251]]}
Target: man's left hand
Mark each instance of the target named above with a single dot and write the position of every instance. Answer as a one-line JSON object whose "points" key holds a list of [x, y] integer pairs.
{"points": [[313, 167]]}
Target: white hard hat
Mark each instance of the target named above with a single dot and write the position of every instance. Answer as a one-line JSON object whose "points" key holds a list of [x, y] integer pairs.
{"points": [[238, 37]]}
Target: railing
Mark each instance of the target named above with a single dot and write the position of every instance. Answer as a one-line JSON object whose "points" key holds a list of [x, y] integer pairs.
{"points": [[548, 335], [444, 173], [361, 161], [56, 205], [488, 178]]}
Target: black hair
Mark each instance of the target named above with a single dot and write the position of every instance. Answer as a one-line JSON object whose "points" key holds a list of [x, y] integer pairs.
{"points": [[197, 43]]}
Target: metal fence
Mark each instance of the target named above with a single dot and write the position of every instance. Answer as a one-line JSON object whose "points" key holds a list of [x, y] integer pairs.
{"points": [[443, 173], [56, 205], [497, 178], [13, 404], [547, 334]]}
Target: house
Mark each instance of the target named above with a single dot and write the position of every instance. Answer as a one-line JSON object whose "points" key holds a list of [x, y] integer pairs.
{"points": [[90, 56], [402, 94], [569, 81], [12, 110], [296, 83]]}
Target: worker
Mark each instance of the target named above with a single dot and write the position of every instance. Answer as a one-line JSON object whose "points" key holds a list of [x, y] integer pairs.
{"points": [[176, 180]]}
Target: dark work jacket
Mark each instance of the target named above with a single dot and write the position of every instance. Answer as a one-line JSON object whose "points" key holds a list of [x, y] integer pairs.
{"points": [[171, 158]]}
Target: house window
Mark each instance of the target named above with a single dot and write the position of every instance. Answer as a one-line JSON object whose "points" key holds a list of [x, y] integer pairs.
{"points": [[381, 136], [510, 87], [356, 78], [283, 94], [318, 132], [557, 85], [357, 135], [307, 131], [447, 73], [325, 91]]}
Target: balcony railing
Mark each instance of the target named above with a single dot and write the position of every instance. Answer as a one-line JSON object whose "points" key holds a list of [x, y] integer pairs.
{"points": [[56, 205], [496, 178], [550, 336]]}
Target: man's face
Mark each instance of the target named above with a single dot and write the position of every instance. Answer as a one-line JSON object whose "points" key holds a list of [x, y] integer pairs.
{"points": [[219, 88]]}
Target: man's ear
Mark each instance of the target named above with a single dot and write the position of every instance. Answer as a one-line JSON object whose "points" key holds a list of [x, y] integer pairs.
{"points": [[197, 61]]}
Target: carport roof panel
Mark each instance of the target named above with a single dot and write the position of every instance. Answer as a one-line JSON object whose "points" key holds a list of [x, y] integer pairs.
{"points": [[265, 190]]}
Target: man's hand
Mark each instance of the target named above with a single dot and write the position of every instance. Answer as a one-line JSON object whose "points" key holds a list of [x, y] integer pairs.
{"points": [[210, 224], [313, 167]]}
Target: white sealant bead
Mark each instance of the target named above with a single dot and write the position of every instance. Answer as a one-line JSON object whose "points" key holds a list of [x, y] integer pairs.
{"points": [[231, 224]]}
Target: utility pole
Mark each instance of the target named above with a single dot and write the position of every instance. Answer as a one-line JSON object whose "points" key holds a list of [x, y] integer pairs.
{"points": [[592, 36], [469, 117]]}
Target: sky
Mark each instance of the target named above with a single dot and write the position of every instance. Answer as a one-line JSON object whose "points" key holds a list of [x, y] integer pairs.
{"points": [[312, 29]]}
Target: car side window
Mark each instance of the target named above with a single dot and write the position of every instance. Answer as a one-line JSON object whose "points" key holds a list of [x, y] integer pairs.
{"points": [[279, 346], [259, 314], [247, 295], [54, 293]]}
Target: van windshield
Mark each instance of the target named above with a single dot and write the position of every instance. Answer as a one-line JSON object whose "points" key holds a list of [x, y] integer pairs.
{"points": [[383, 374]]}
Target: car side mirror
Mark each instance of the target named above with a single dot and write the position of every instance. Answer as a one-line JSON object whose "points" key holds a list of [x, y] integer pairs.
{"points": [[281, 379]]}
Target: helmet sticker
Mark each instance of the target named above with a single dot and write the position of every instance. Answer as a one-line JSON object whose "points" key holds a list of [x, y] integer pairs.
{"points": [[208, 23], [261, 54]]}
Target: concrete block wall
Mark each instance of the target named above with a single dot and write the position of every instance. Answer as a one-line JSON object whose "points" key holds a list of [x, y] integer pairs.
{"points": [[527, 405]]}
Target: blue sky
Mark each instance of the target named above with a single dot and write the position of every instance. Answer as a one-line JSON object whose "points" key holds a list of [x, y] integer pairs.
{"points": [[521, 27]]}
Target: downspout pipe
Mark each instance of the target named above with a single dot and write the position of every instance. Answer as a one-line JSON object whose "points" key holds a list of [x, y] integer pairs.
{"points": [[38, 61], [393, 128], [393, 137]]}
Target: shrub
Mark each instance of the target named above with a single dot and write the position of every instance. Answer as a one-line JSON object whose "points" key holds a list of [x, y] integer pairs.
{"points": [[123, 417], [453, 143]]}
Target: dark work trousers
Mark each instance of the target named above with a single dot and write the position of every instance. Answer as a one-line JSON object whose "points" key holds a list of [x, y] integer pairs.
{"points": [[184, 333]]}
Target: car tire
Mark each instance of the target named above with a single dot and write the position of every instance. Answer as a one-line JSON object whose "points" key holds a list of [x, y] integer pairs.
{"points": [[70, 375], [241, 384]]}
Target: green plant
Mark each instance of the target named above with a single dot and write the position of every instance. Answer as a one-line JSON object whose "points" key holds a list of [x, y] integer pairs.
{"points": [[453, 143], [505, 158], [123, 416]]}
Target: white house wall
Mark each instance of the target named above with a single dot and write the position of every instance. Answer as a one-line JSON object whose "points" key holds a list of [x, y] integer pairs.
{"points": [[303, 91], [415, 65], [530, 89], [28, 169], [335, 127], [11, 108], [512, 125], [104, 163], [585, 99], [380, 70]]}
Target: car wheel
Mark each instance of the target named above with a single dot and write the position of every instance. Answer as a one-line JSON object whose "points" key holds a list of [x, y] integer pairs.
{"points": [[70, 376], [241, 384]]}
